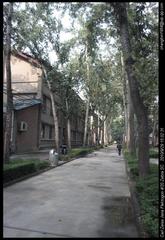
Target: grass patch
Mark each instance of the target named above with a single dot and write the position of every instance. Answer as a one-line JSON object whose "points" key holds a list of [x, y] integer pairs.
{"points": [[19, 168], [132, 164], [147, 191]]}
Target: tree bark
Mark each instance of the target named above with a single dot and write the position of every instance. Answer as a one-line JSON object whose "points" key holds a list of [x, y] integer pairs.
{"points": [[155, 121], [69, 133], [68, 126], [54, 110], [56, 128], [105, 133], [131, 142], [9, 108], [109, 121], [125, 102], [88, 98], [86, 123], [129, 113], [139, 107]]}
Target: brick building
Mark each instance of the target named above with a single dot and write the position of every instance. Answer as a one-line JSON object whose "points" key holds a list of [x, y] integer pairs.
{"points": [[33, 125]]}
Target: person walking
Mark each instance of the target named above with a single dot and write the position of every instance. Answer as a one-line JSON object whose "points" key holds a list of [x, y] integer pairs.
{"points": [[119, 147]]}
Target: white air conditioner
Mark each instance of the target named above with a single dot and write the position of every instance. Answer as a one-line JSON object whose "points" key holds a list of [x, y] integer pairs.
{"points": [[23, 126]]}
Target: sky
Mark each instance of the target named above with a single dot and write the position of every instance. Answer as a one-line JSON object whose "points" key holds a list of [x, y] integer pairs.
{"points": [[65, 36]]}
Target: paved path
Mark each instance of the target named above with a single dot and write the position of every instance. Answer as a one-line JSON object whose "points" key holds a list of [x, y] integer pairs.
{"points": [[88, 197]]}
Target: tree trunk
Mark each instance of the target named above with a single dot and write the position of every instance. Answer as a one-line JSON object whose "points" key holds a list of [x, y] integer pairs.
{"points": [[55, 117], [131, 143], [91, 131], [9, 108], [109, 121], [102, 140], [86, 123], [125, 121], [88, 98], [105, 133], [131, 128], [129, 113], [154, 131], [98, 129], [68, 125], [140, 109], [125, 102], [56, 128], [69, 133]]}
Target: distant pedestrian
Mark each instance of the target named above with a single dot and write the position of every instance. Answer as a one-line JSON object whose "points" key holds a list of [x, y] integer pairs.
{"points": [[119, 147]]}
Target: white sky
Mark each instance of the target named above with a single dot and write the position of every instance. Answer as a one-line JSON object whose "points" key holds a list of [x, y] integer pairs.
{"points": [[65, 36]]}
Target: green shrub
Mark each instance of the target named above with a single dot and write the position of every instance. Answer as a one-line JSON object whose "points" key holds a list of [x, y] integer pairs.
{"points": [[19, 168], [148, 195], [151, 225], [132, 164], [42, 165], [16, 171], [147, 192], [77, 152], [134, 171]]}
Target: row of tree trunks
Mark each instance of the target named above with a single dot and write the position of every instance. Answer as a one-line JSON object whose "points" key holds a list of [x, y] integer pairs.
{"points": [[138, 105]]}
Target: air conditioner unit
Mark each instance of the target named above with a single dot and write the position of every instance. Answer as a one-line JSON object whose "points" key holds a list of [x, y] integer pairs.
{"points": [[23, 126]]}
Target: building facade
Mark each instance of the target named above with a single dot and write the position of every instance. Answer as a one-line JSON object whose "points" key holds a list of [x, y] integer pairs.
{"points": [[33, 124]]}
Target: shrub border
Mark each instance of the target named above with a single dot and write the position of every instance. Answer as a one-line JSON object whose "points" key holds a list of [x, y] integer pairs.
{"points": [[46, 169], [136, 205]]}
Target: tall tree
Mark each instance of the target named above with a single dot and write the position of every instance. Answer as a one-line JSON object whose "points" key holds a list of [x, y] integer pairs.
{"points": [[143, 27], [138, 104], [129, 113], [40, 33], [9, 108]]}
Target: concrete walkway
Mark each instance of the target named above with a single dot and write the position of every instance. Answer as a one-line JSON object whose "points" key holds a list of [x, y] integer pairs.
{"points": [[88, 197]]}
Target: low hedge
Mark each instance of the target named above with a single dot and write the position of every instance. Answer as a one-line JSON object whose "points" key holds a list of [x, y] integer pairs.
{"points": [[147, 191], [16, 171], [19, 168], [148, 194], [78, 152]]}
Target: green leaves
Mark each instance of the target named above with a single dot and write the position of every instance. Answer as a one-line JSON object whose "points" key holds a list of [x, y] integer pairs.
{"points": [[143, 29], [95, 45]]}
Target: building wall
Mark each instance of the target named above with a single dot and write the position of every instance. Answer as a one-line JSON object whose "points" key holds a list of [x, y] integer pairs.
{"points": [[47, 134], [77, 129], [27, 79], [28, 140], [26, 76]]}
